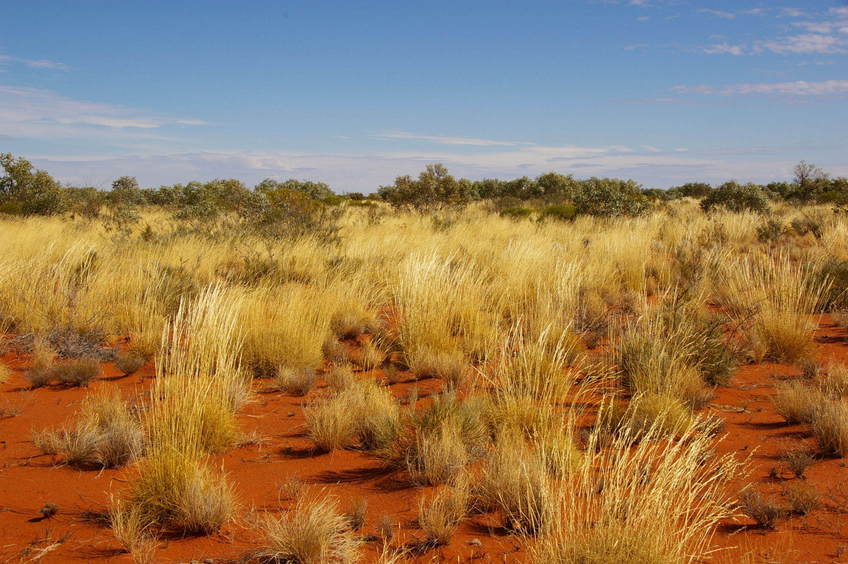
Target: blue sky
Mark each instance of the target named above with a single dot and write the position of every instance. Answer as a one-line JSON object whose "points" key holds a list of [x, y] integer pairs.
{"points": [[356, 93]]}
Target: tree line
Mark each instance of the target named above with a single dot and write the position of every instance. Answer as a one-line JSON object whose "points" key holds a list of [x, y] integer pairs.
{"points": [[25, 190]]}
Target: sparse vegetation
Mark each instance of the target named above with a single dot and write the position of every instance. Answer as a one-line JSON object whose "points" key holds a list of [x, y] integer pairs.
{"points": [[312, 532], [552, 357]]}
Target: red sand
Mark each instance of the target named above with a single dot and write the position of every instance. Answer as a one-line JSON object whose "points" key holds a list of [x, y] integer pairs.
{"points": [[28, 480]]}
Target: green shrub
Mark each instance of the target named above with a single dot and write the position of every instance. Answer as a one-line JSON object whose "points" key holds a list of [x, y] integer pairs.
{"points": [[610, 197], [836, 273], [561, 212], [736, 197], [516, 213], [769, 231], [25, 191]]}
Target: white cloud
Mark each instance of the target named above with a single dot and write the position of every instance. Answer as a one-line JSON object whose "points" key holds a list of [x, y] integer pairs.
{"points": [[718, 13], [365, 172], [443, 140], [798, 88], [724, 49], [806, 44], [33, 63], [43, 114]]}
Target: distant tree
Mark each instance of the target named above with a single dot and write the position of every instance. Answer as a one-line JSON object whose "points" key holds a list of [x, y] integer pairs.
{"points": [[656, 194], [489, 188], [315, 190], [556, 187], [691, 190], [27, 191], [610, 197], [807, 172], [433, 186], [810, 179], [737, 197], [125, 191]]}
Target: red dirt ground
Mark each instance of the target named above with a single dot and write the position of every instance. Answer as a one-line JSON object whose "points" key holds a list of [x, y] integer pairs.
{"points": [[29, 480]]}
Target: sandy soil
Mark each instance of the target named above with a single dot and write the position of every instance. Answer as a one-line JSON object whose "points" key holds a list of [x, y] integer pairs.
{"points": [[29, 480]]}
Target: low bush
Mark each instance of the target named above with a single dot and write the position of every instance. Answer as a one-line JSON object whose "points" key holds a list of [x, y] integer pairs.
{"points": [[77, 372], [313, 532], [362, 413], [835, 272], [764, 512], [830, 426], [560, 212], [769, 231], [516, 212], [106, 434], [796, 402], [129, 362], [803, 498], [797, 460], [178, 493], [736, 197], [440, 515], [516, 481], [435, 443], [297, 382]]}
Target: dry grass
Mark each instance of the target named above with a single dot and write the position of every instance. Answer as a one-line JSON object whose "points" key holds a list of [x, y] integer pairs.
{"points": [[130, 362], [78, 372], [435, 443], [177, 492], [833, 380], [796, 402], [603, 508], [764, 512], [313, 532], [440, 514], [802, 497], [830, 426], [362, 413], [516, 481], [106, 434], [497, 309], [774, 298], [5, 373], [295, 382]]}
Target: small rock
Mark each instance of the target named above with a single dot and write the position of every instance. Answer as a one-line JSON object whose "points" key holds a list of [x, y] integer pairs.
{"points": [[475, 542], [49, 510]]}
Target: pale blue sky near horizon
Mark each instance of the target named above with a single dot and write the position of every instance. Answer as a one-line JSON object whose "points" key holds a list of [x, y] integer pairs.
{"points": [[356, 93]]}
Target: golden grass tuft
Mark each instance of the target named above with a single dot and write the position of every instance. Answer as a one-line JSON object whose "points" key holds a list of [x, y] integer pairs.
{"points": [[440, 514], [106, 434], [796, 402], [313, 532], [297, 382], [830, 426], [362, 413]]}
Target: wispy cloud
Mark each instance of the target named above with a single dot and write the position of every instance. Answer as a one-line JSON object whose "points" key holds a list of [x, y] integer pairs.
{"points": [[718, 13], [33, 63], [365, 172], [798, 88], [445, 140], [807, 44], [825, 33], [43, 114], [724, 49]]}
